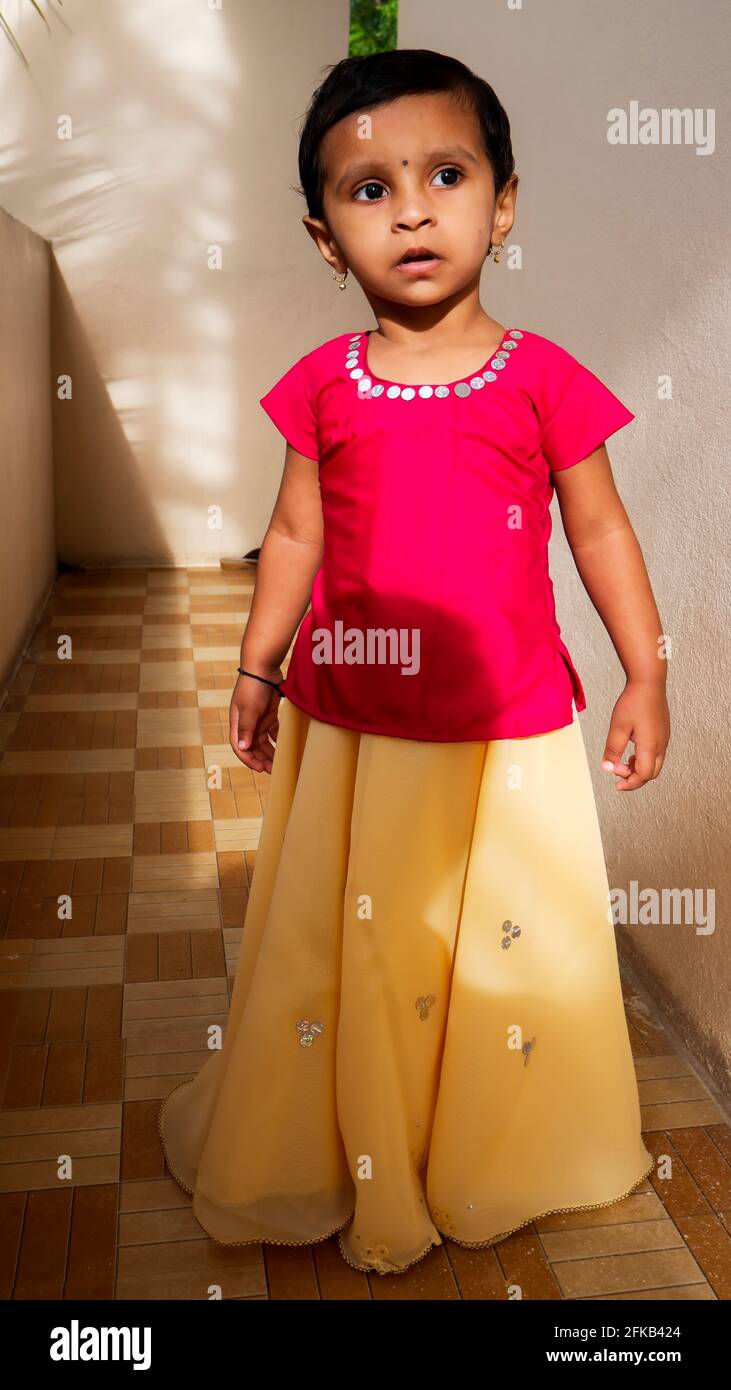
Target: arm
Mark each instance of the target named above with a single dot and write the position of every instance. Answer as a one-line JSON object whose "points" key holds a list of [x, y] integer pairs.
{"points": [[290, 556], [612, 568]]}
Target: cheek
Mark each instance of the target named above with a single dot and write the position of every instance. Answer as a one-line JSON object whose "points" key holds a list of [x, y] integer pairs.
{"points": [[359, 238]]}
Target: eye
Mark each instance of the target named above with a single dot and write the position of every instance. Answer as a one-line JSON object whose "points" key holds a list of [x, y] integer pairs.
{"points": [[367, 188], [449, 171]]}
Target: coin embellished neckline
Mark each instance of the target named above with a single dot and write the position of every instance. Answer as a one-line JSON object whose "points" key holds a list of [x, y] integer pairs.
{"points": [[370, 385]]}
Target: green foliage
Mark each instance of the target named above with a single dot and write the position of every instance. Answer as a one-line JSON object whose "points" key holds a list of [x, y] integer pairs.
{"points": [[373, 26]]}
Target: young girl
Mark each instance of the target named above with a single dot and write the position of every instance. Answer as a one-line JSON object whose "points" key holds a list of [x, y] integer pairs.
{"points": [[426, 1035]]}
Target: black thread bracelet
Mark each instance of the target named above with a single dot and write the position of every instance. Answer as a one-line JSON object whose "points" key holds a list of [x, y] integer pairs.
{"points": [[274, 685]]}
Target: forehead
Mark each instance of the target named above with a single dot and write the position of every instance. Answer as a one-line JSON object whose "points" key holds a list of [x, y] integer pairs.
{"points": [[407, 128]]}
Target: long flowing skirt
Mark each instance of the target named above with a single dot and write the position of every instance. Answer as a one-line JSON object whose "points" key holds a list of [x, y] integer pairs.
{"points": [[427, 1035]]}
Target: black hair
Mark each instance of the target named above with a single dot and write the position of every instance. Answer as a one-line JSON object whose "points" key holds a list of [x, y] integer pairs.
{"points": [[357, 84]]}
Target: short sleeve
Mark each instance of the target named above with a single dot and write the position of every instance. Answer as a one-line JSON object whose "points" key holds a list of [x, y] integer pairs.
{"points": [[585, 416], [287, 404]]}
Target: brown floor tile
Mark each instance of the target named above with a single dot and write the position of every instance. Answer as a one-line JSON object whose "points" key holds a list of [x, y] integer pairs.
{"points": [[141, 1155], [43, 1254], [146, 839], [87, 876], [710, 1244], [671, 1179], [142, 959], [116, 875], [92, 1245], [706, 1165], [291, 1273], [658, 1269], [200, 836], [163, 902], [104, 1012], [477, 1273], [24, 1078], [67, 1015], [207, 955], [335, 1279], [525, 1267], [721, 1136], [104, 1072], [174, 956], [111, 917], [231, 869], [64, 1080], [12, 1210], [28, 1016]]}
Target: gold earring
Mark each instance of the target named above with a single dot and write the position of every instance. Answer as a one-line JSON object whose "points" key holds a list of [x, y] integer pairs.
{"points": [[496, 253], [340, 278]]}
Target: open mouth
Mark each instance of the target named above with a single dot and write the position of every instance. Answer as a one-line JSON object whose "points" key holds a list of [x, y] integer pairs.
{"points": [[419, 258], [420, 255]]}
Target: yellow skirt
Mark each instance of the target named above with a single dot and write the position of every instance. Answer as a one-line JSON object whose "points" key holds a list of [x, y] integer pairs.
{"points": [[427, 1035]]}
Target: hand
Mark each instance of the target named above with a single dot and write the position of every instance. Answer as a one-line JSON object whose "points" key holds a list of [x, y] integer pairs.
{"points": [[254, 719], [640, 716]]}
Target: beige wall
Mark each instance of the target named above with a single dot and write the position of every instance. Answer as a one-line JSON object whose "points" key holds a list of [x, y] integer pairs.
{"points": [[27, 550], [185, 132], [624, 262], [184, 135]]}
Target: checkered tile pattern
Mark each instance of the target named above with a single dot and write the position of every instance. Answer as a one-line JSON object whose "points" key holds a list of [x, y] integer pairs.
{"points": [[106, 811]]}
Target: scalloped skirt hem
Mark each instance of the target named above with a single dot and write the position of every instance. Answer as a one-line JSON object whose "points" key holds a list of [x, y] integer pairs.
{"points": [[380, 1265]]}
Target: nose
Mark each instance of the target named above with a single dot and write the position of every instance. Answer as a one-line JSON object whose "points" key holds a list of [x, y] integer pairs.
{"points": [[411, 206], [405, 223], [411, 215]]}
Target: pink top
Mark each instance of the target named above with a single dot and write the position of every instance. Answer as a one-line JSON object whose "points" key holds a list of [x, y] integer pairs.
{"points": [[432, 613]]}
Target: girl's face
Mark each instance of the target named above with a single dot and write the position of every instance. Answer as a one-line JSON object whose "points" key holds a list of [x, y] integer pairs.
{"points": [[410, 174]]}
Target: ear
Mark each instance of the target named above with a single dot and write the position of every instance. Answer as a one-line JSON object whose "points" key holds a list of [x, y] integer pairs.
{"points": [[505, 208], [322, 237]]}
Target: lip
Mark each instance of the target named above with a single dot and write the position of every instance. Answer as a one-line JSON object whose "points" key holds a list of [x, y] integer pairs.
{"points": [[416, 268], [418, 251]]}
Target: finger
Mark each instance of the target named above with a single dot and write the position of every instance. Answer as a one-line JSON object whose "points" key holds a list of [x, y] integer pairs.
{"points": [[246, 749], [617, 740], [240, 736], [233, 726], [262, 752], [642, 764], [263, 763], [253, 748], [645, 757], [269, 725], [246, 737], [250, 758]]}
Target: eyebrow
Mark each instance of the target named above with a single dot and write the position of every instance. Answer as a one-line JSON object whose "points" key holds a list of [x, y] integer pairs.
{"points": [[381, 166]]}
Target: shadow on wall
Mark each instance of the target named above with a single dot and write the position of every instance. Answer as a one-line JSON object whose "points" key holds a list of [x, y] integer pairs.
{"points": [[171, 150], [100, 497]]}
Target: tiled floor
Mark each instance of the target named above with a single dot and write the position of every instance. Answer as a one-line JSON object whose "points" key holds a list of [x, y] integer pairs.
{"points": [[104, 797]]}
